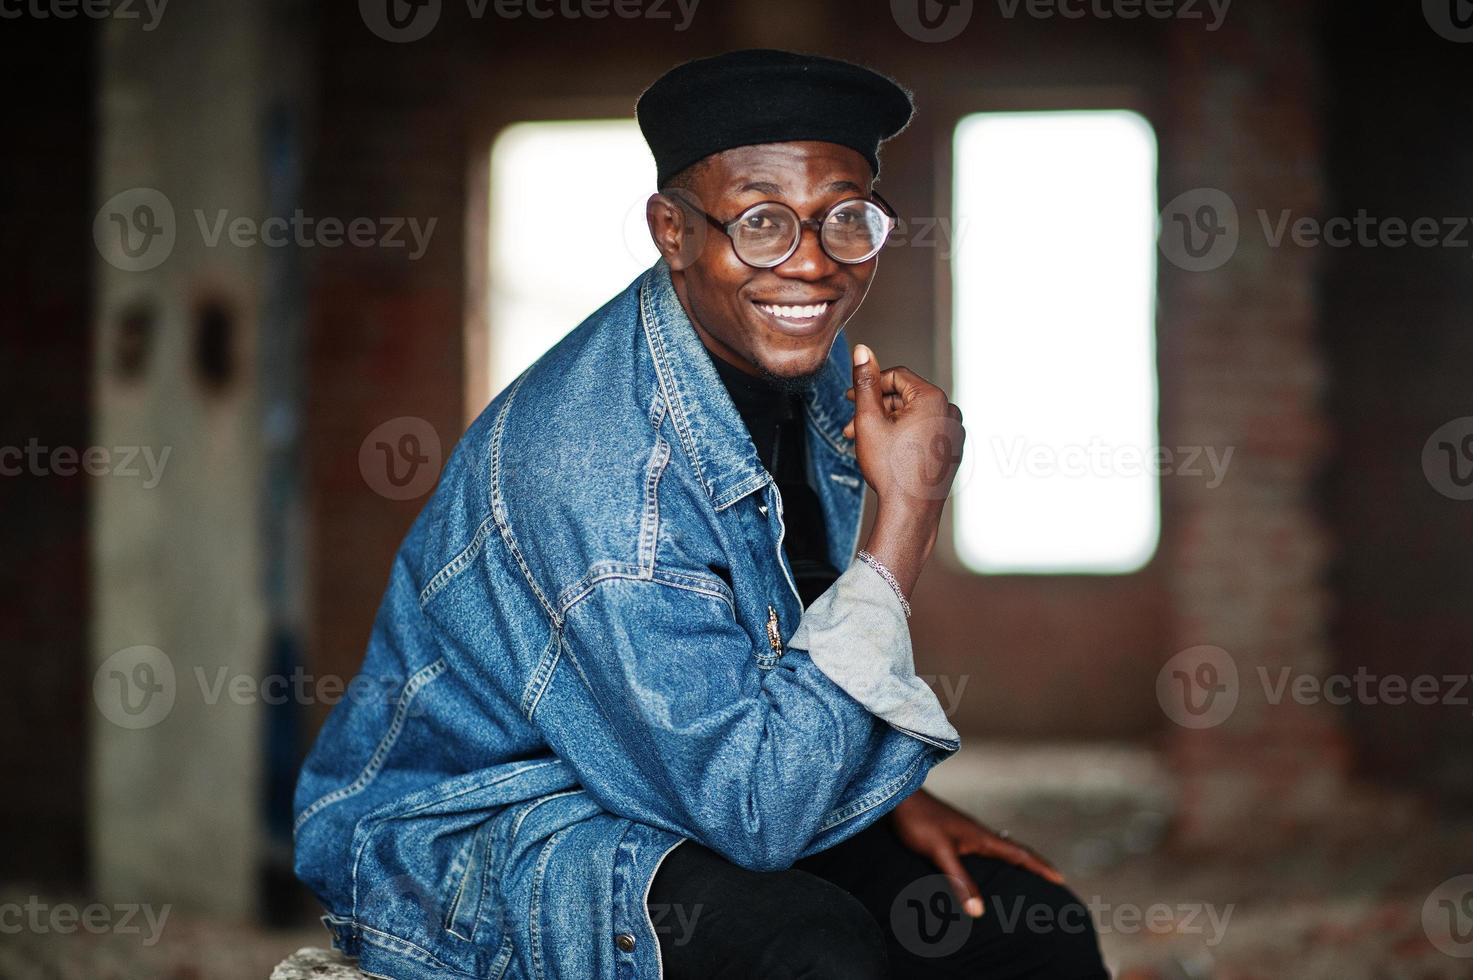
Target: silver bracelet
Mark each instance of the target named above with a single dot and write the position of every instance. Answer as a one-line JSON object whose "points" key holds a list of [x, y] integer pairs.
{"points": [[879, 566]]}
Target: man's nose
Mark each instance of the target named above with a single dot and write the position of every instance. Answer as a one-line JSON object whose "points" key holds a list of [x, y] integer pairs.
{"points": [[809, 261]]}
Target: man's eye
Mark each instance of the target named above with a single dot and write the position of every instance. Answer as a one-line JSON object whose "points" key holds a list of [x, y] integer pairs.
{"points": [[758, 222]]}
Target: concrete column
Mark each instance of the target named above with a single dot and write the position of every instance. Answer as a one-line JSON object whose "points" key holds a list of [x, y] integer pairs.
{"points": [[178, 638]]}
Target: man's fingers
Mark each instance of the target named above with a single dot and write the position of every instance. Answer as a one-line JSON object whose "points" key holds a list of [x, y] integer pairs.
{"points": [[867, 395], [1019, 854], [961, 882]]}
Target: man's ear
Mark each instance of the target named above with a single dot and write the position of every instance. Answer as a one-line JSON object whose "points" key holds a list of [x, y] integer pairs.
{"points": [[677, 233]]}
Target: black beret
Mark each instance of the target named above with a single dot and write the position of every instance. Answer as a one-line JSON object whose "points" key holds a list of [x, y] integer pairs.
{"points": [[764, 96]]}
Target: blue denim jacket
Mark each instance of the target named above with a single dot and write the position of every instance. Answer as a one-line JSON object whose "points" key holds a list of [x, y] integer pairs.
{"points": [[591, 649]]}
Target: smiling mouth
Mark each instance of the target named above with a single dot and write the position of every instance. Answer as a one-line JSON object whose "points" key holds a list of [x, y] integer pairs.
{"points": [[795, 313]]}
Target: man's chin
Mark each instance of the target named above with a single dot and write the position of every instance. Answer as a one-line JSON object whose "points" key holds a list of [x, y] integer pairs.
{"points": [[795, 383]]}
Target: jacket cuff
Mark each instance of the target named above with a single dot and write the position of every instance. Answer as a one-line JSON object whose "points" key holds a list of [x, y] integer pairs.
{"points": [[856, 634]]}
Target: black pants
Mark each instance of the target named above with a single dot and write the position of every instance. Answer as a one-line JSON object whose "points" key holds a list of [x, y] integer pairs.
{"points": [[867, 909]]}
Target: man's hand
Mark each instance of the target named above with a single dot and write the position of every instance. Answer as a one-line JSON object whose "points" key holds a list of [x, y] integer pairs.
{"points": [[908, 437], [943, 834]]}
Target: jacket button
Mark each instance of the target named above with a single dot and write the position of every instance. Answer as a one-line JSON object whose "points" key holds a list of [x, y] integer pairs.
{"points": [[625, 942]]}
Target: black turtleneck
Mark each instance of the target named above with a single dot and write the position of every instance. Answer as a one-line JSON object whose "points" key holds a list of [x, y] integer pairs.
{"points": [[774, 418]]}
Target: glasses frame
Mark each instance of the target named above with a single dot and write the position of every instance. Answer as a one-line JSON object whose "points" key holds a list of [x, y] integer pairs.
{"points": [[815, 223]]}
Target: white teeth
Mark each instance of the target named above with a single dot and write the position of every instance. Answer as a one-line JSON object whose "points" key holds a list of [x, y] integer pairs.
{"points": [[796, 312]]}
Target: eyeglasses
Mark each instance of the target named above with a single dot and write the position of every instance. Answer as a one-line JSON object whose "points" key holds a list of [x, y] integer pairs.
{"points": [[767, 234]]}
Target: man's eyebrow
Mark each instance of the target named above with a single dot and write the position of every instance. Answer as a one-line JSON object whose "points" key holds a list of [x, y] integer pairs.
{"points": [[761, 187], [768, 187]]}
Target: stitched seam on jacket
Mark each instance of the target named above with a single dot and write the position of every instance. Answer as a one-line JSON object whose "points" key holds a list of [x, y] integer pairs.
{"points": [[541, 674], [457, 564], [872, 799], [498, 504], [370, 770], [649, 522], [379, 822], [539, 872], [614, 571], [656, 342], [402, 946]]}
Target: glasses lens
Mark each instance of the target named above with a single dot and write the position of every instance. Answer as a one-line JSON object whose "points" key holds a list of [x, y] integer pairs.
{"points": [[764, 235], [855, 230]]}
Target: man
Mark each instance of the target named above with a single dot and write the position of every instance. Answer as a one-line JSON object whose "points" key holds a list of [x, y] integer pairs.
{"points": [[641, 725]]}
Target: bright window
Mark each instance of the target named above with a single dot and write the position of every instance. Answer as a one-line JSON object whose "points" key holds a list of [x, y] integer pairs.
{"points": [[567, 231], [1053, 338]]}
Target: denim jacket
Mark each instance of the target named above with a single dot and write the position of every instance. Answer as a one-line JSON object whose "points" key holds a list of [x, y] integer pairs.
{"points": [[589, 650]]}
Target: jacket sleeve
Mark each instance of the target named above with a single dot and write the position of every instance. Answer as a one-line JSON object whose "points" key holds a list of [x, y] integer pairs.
{"points": [[663, 707]]}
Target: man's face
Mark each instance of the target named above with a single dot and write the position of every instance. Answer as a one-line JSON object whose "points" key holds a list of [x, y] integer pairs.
{"points": [[731, 303]]}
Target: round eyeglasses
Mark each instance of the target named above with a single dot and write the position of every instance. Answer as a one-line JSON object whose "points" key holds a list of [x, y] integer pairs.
{"points": [[767, 234]]}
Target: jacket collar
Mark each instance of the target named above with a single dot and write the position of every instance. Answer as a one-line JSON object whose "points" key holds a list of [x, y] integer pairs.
{"points": [[710, 428]]}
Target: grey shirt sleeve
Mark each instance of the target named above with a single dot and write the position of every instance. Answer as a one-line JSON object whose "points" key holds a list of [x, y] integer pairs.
{"points": [[857, 635]]}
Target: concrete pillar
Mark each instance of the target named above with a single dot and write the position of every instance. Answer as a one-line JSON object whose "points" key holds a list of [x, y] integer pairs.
{"points": [[181, 614]]}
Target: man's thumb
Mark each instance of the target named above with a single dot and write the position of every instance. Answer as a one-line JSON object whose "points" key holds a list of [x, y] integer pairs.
{"points": [[867, 396]]}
